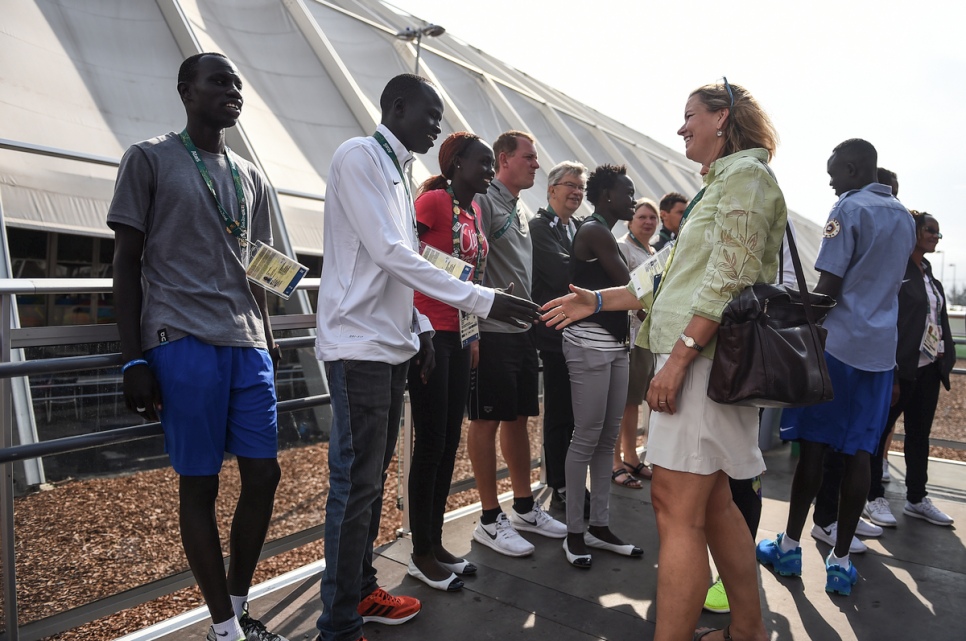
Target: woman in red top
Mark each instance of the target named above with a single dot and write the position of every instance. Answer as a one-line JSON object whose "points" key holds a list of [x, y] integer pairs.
{"points": [[447, 219]]}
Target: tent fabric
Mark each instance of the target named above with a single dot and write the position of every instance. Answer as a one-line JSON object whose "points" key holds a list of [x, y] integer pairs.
{"points": [[92, 78]]}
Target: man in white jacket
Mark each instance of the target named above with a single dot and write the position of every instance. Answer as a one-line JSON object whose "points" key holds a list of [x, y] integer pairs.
{"points": [[368, 330]]}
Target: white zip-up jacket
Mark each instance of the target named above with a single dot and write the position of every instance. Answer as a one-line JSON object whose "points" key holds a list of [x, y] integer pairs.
{"points": [[372, 262]]}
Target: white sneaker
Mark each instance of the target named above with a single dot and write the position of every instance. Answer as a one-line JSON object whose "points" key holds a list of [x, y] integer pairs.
{"points": [[886, 477], [867, 530], [501, 537], [879, 512], [828, 534], [924, 509], [537, 520]]}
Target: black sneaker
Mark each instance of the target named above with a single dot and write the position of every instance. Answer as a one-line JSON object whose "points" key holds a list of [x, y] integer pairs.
{"points": [[255, 629]]}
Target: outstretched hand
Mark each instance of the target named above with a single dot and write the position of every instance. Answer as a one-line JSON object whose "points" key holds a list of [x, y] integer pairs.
{"points": [[511, 309], [570, 308]]}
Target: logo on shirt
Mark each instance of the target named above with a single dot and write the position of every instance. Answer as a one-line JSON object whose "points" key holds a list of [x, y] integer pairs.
{"points": [[832, 229]]}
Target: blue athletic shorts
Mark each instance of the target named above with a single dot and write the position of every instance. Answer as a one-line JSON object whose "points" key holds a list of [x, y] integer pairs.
{"points": [[854, 420], [214, 400]]}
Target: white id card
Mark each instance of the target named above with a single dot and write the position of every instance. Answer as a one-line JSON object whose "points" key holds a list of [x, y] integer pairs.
{"points": [[469, 328], [647, 276], [274, 271], [930, 341], [449, 264]]}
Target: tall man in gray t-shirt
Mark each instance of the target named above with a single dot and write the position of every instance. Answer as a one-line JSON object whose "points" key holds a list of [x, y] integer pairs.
{"points": [[503, 388], [195, 335]]}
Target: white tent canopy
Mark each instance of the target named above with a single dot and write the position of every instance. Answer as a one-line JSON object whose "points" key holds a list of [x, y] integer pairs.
{"points": [[88, 79]]}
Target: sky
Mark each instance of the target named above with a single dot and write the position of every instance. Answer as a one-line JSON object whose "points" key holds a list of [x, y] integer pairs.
{"points": [[891, 72]]}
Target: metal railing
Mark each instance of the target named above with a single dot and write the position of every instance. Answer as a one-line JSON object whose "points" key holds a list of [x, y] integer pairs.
{"points": [[13, 338]]}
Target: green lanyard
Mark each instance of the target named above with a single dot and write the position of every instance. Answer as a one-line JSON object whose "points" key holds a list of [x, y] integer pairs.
{"points": [[395, 161], [506, 225], [646, 248], [694, 201], [458, 228], [238, 228], [600, 219]]}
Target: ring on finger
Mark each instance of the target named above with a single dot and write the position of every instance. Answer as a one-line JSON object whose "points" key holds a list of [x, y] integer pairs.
{"points": [[141, 409]]}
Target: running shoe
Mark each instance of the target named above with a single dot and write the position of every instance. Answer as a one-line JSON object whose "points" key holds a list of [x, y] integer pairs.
{"points": [[537, 520], [769, 552], [925, 510], [382, 607], [501, 537]]}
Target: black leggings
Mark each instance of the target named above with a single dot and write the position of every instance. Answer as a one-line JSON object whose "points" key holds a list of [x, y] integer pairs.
{"points": [[437, 408], [746, 494]]}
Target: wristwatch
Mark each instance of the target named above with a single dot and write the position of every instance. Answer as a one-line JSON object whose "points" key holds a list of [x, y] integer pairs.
{"points": [[690, 343]]}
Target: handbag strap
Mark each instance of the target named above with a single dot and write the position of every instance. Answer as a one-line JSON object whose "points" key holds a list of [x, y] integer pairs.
{"points": [[799, 274]]}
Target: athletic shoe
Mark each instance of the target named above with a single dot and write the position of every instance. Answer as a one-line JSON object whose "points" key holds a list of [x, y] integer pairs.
{"points": [[838, 579], [867, 530], [501, 537], [717, 599], [828, 534], [382, 607], [924, 509], [769, 552], [886, 477], [879, 512], [212, 636], [255, 629], [537, 520]]}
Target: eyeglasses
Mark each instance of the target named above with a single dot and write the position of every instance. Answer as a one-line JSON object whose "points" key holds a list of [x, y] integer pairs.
{"points": [[731, 95], [933, 231], [571, 186]]}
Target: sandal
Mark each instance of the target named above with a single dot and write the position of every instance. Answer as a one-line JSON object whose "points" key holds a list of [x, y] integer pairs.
{"points": [[641, 470], [703, 632], [629, 481]]}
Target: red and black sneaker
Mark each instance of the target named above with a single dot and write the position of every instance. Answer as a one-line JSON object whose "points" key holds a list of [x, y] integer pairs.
{"points": [[382, 607]]}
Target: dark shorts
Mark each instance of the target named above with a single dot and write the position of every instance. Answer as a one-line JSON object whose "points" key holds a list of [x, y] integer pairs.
{"points": [[215, 400], [505, 385], [854, 420]]}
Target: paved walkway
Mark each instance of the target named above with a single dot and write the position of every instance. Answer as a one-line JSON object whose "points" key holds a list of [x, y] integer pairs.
{"points": [[912, 581]]}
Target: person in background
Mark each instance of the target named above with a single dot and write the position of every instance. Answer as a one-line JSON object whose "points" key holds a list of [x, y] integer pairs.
{"points": [[671, 212], [504, 387], [552, 231], [195, 333], [866, 232], [448, 220], [695, 445], [925, 356], [627, 464], [596, 353]]}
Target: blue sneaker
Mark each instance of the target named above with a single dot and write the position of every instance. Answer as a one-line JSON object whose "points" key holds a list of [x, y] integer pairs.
{"points": [[770, 553], [839, 580]]}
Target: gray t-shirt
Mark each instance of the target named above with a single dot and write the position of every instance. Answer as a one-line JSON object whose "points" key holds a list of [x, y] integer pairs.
{"points": [[510, 259], [192, 277]]}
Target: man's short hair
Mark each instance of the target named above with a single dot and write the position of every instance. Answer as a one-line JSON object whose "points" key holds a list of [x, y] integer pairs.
{"points": [[189, 68], [405, 86], [670, 199], [565, 168], [860, 153], [885, 176], [508, 141]]}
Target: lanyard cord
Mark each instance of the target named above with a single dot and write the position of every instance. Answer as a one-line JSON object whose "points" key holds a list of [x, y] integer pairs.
{"points": [[239, 228], [458, 228]]}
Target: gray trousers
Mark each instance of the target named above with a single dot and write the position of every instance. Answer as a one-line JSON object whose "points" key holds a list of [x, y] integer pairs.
{"points": [[598, 384]]}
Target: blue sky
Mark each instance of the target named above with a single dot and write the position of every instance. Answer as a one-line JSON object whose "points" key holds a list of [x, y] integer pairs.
{"points": [[891, 72]]}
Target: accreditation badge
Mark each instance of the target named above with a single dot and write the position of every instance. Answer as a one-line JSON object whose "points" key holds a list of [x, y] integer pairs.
{"points": [[274, 271], [469, 328], [931, 341]]}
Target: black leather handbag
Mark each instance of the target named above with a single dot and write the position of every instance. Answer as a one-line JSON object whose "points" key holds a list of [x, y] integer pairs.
{"points": [[771, 350]]}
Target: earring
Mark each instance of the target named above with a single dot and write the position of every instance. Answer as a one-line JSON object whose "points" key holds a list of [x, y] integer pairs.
{"points": [[719, 134]]}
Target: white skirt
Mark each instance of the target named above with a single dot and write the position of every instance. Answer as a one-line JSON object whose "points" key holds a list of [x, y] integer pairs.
{"points": [[703, 437]]}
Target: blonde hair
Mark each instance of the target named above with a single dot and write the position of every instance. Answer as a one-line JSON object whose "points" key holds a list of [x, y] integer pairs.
{"points": [[747, 126]]}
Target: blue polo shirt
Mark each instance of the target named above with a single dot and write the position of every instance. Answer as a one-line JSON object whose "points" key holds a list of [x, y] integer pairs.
{"points": [[867, 242]]}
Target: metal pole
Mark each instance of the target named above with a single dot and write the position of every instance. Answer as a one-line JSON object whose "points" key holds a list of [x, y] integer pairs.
{"points": [[419, 42], [8, 553]]}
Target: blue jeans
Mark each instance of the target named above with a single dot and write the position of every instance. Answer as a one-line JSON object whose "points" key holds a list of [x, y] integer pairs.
{"points": [[367, 400]]}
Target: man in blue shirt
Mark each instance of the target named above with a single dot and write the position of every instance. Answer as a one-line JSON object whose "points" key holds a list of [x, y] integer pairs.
{"points": [[868, 236]]}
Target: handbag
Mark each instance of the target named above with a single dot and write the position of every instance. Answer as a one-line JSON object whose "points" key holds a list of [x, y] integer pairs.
{"points": [[771, 350]]}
